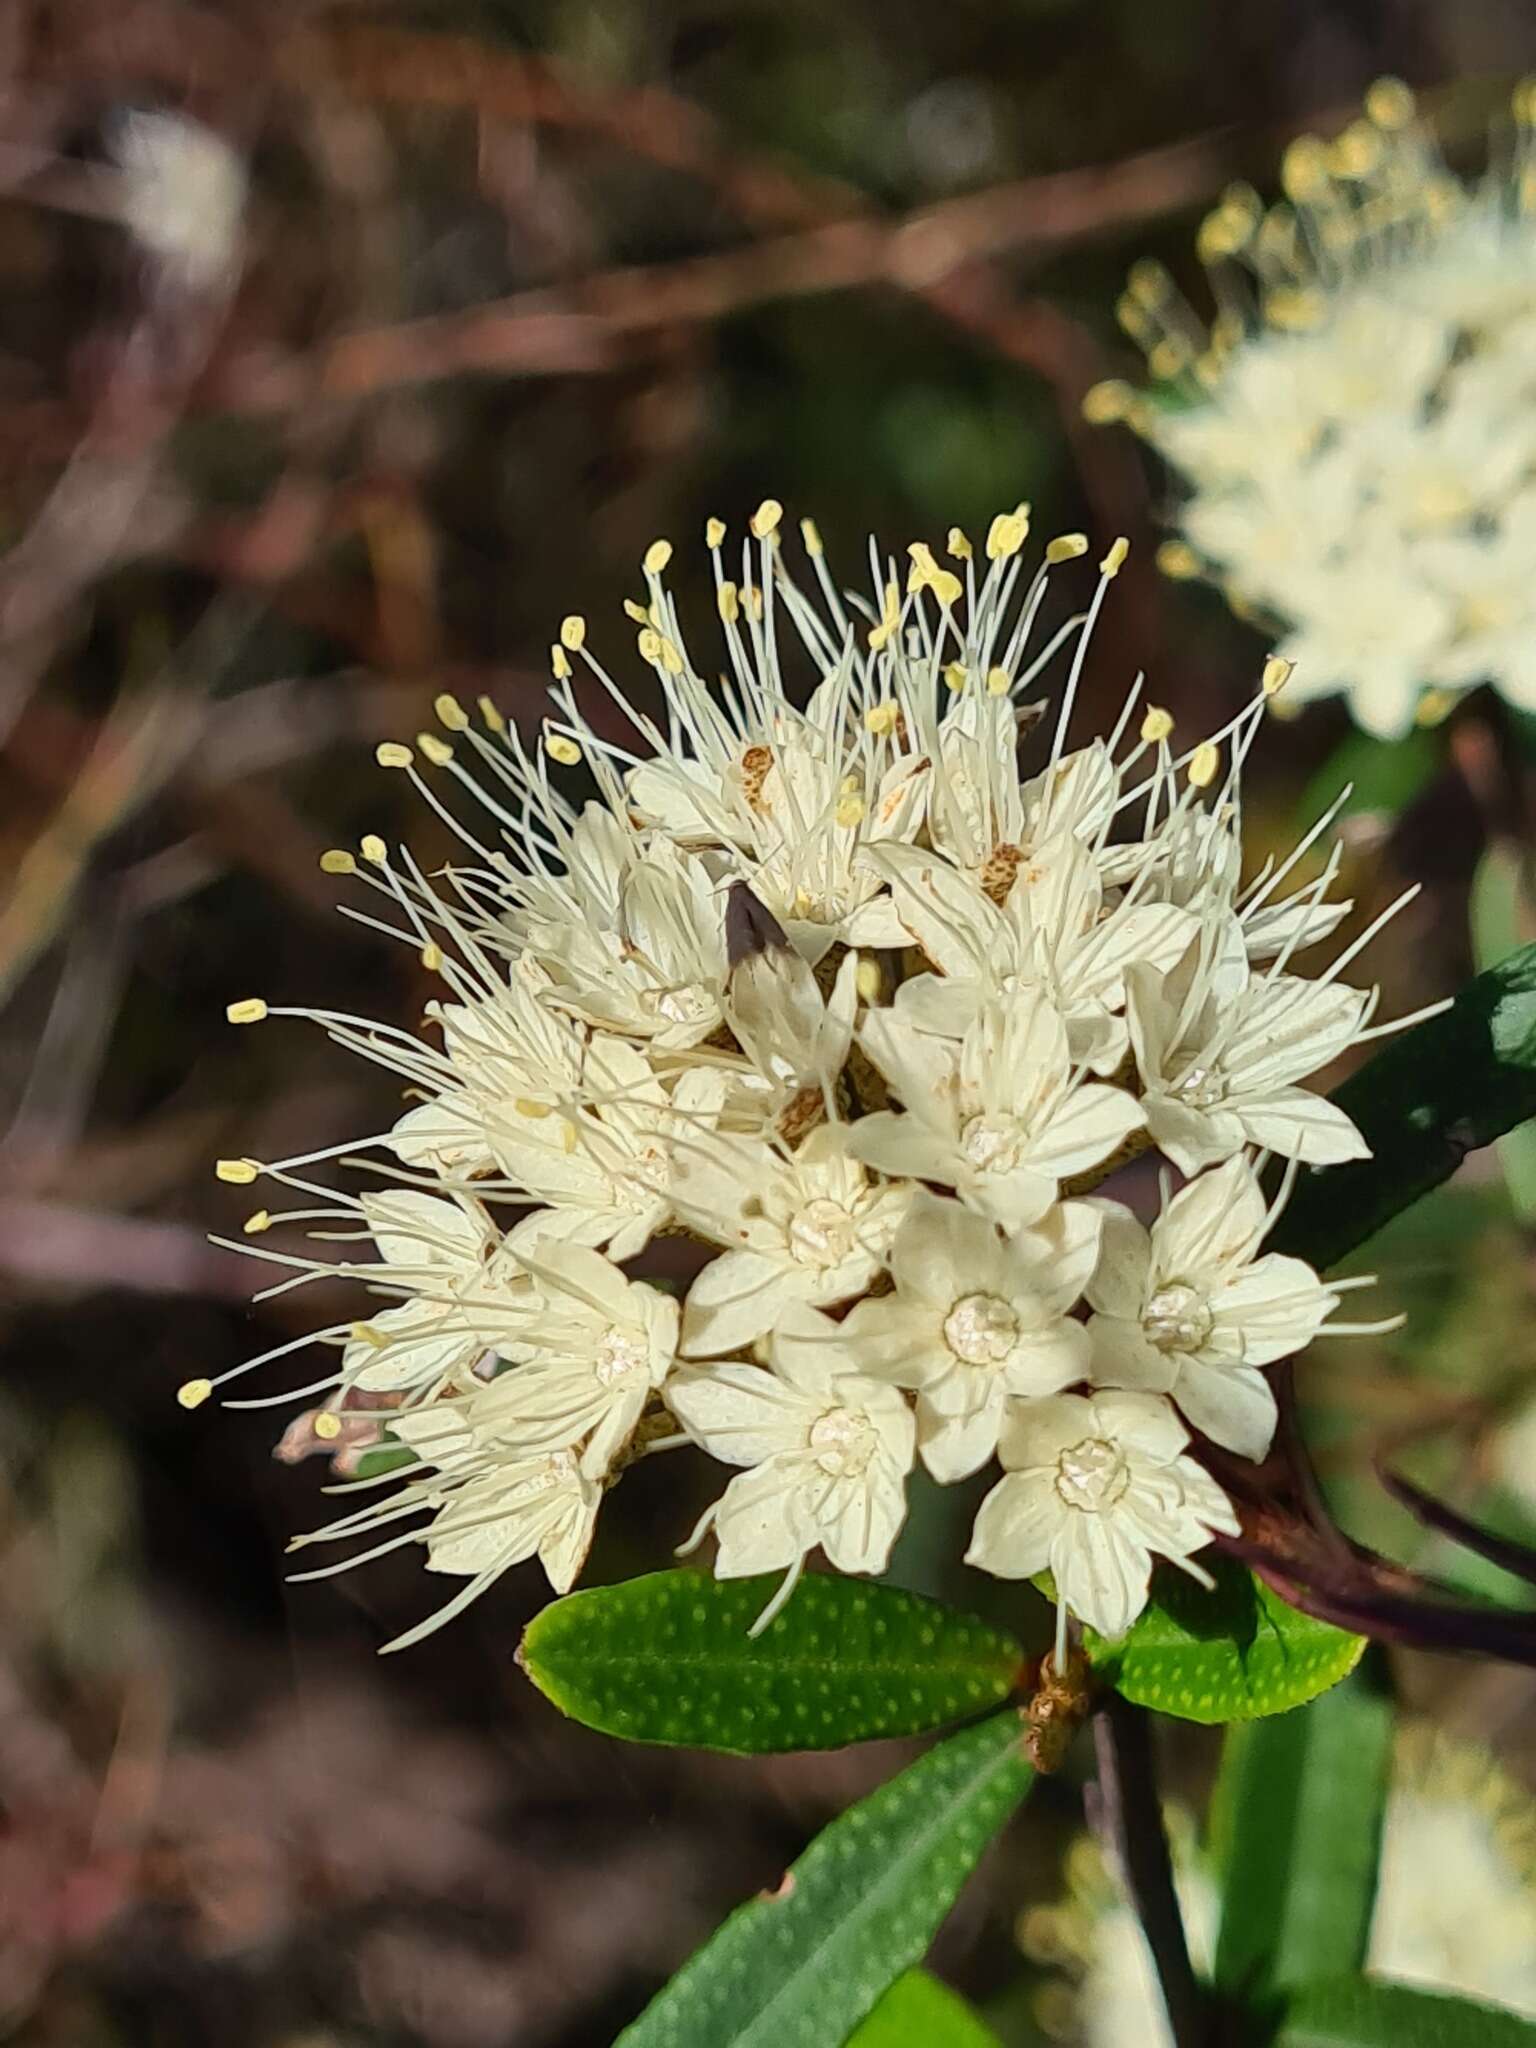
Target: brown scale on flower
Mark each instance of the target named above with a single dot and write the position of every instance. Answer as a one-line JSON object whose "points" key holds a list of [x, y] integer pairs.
{"points": [[999, 870], [801, 1114], [755, 764], [1057, 1708]]}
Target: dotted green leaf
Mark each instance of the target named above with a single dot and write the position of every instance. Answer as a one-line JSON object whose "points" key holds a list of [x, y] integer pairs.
{"points": [[1297, 1829], [920, 2012], [802, 1967], [1353, 2012], [1450, 1085], [667, 1658], [1227, 1655]]}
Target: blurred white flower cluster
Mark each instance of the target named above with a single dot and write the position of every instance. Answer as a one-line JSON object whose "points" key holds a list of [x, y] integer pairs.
{"points": [[1356, 430], [848, 974], [1455, 1902]]}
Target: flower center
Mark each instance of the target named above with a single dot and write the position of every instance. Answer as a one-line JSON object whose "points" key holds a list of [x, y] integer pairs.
{"points": [[1177, 1318], [1202, 1088], [843, 1441], [617, 1356], [822, 1233], [1091, 1475], [991, 1143], [981, 1329]]}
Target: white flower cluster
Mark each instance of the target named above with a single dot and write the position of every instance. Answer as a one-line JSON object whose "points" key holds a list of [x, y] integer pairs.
{"points": [[1356, 432], [856, 1003]]}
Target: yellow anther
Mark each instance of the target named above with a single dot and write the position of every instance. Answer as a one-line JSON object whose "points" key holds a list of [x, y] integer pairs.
{"points": [[573, 630], [1066, 547], [656, 557], [1522, 102], [559, 662], [868, 980], [562, 748], [390, 754], [258, 1221], [1433, 706], [810, 533], [641, 614], [431, 956], [890, 619], [956, 676], [1157, 726], [956, 544], [530, 1107], [1108, 401], [714, 533], [849, 811], [649, 644], [1176, 558], [437, 751], [1357, 152], [752, 598], [1277, 673], [365, 1333], [373, 850], [1169, 357], [236, 1173], [1389, 103], [1304, 168], [999, 682], [670, 659], [880, 718], [728, 603], [766, 518], [249, 1010], [326, 1426], [1295, 311], [1147, 282], [1115, 559], [1007, 534], [1203, 764], [568, 1136], [193, 1393], [451, 713], [337, 861], [490, 714]]}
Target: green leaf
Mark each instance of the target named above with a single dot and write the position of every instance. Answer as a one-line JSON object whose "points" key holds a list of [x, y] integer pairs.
{"points": [[1382, 776], [920, 2012], [1297, 1828], [1227, 1655], [667, 1658], [1352, 2012], [1451, 1084], [1500, 922], [802, 1967], [386, 1457]]}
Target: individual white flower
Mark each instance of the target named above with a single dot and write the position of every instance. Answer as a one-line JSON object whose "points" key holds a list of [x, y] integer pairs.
{"points": [[809, 1226], [1094, 1488], [584, 1358], [605, 1163], [1353, 446], [995, 1113], [1049, 929], [975, 1319], [1220, 1066], [448, 1260], [1191, 1309], [490, 1511], [794, 1040], [828, 1451]]}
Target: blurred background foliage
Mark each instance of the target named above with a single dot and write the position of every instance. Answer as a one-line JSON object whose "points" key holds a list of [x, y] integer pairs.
{"points": [[491, 295]]}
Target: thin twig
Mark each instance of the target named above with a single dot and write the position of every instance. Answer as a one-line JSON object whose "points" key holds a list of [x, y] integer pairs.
{"points": [[1131, 1817]]}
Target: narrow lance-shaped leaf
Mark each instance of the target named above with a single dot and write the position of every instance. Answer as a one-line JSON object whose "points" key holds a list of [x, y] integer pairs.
{"points": [[1232, 1654], [1355, 2013], [802, 1967], [920, 2012], [1426, 1100], [668, 1658], [1297, 1823]]}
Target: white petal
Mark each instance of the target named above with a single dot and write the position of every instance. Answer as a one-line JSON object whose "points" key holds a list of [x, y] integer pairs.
{"points": [[1299, 1125], [1233, 1405], [1014, 1527], [1119, 1283], [734, 1300], [1122, 1357], [1102, 1572], [739, 1413]]}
